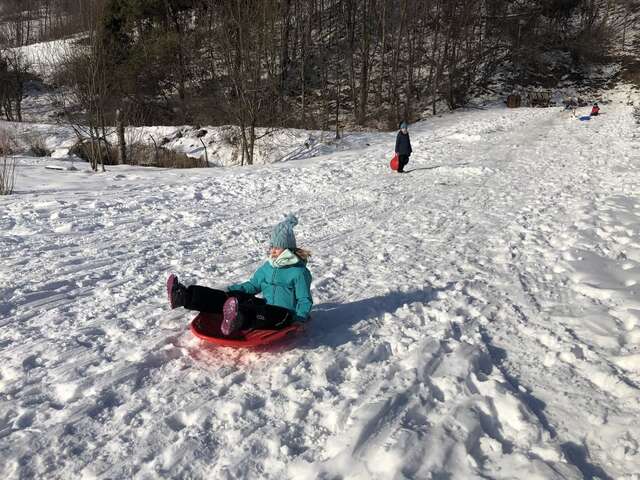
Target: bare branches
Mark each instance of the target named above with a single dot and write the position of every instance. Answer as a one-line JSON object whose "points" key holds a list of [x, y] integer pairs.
{"points": [[85, 94], [15, 71], [24, 22], [7, 164], [327, 64]]}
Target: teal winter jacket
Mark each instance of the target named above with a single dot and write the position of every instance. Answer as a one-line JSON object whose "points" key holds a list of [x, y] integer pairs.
{"points": [[285, 284]]}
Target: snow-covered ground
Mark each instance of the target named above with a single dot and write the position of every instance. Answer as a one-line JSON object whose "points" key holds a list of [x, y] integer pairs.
{"points": [[478, 317], [43, 57], [222, 143]]}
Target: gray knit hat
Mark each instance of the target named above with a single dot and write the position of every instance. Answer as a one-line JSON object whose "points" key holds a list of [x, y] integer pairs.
{"points": [[282, 235]]}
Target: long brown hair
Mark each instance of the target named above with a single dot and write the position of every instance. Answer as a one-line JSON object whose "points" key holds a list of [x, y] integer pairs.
{"points": [[302, 253]]}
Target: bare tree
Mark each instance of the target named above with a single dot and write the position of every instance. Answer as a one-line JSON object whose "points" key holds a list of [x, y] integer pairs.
{"points": [[7, 165], [15, 71], [85, 95], [247, 55], [18, 25]]}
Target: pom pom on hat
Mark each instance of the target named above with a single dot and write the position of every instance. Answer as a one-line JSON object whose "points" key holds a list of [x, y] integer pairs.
{"points": [[282, 235]]}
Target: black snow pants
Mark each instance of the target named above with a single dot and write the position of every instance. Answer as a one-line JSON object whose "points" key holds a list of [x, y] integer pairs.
{"points": [[256, 313], [403, 160]]}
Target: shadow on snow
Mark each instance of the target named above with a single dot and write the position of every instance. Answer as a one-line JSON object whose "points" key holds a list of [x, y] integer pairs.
{"points": [[332, 322]]}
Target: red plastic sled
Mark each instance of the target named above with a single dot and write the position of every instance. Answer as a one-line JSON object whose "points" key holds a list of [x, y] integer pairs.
{"points": [[207, 327], [395, 162]]}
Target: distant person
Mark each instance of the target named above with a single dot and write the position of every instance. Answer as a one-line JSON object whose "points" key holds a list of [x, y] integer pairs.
{"points": [[403, 147], [571, 104], [595, 110]]}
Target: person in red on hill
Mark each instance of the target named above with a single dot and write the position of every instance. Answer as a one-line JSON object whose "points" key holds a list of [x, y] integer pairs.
{"points": [[595, 110]]}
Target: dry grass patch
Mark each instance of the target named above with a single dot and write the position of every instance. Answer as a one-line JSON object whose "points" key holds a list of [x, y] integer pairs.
{"points": [[38, 146]]}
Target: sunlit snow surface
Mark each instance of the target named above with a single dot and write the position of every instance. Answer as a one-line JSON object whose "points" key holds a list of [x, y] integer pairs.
{"points": [[478, 317]]}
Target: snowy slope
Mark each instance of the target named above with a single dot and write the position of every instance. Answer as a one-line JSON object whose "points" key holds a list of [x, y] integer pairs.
{"points": [[477, 317]]}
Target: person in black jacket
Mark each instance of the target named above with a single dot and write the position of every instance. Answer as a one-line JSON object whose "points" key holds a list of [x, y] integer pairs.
{"points": [[403, 147]]}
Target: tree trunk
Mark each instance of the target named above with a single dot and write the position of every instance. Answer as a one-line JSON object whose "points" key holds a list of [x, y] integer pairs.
{"points": [[364, 69], [285, 61], [382, 54], [122, 145], [338, 109]]}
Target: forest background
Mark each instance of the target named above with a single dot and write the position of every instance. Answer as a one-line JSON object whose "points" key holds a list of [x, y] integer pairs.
{"points": [[313, 64]]}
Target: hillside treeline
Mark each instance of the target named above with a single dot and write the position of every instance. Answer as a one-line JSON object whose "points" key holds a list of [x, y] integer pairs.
{"points": [[304, 63]]}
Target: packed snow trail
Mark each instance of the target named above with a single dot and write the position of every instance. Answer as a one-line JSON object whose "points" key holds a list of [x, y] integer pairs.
{"points": [[475, 318]]}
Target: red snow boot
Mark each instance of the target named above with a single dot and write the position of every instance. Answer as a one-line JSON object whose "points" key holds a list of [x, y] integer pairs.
{"points": [[231, 317], [176, 292]]}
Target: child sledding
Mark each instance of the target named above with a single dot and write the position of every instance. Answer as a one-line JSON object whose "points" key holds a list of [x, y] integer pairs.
{"points": [[595, 111], [283, 280]]}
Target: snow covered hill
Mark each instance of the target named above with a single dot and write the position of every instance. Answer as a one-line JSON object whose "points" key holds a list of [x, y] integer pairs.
{"points": [[478, 317]]}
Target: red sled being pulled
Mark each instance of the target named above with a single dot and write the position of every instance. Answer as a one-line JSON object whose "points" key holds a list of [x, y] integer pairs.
{"points": [[395, 162], [206, 326]]}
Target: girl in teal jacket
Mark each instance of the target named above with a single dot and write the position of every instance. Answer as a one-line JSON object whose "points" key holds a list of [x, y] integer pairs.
{"points": [[283, 280]]}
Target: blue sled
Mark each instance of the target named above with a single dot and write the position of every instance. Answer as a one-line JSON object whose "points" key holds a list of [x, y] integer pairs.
{"points": [[584, 118]]}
